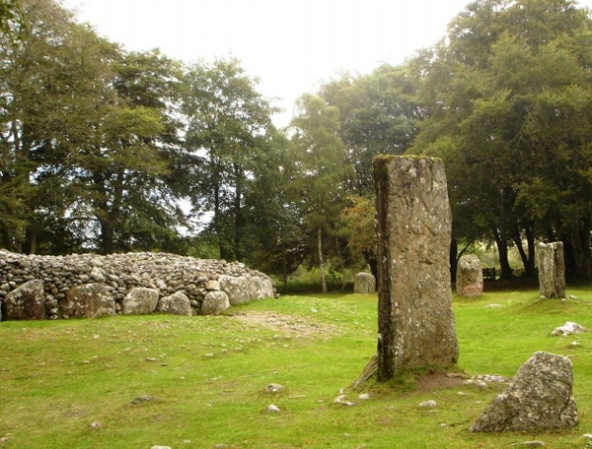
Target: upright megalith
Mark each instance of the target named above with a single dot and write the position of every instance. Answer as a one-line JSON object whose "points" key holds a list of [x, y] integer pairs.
{"points": [[415, 318], [364, 283], [551, 270], [469, 276]]}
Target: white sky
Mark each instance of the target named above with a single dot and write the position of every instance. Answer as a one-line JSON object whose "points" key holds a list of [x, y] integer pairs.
{"points": [[292, 46]]}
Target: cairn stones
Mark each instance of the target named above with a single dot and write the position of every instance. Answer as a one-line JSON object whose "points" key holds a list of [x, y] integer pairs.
{"points": [[416, 322], [469, 277], [539, 398], [84, 284], [551, 270], [364, 283]]}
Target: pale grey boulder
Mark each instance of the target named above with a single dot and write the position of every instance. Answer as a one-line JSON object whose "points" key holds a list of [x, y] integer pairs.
{"points": [[26, 302], [215, 303], [176, 304], [88, 300], [364, 283], [539, 398], [140, 301]]}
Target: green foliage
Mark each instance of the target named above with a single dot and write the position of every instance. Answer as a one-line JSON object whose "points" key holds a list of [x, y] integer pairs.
{"points": [[508, 101], [206, 376]]}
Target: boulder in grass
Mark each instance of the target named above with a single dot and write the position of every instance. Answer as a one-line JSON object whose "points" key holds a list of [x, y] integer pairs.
{"points": [[539, 398], [140, 301], [215, 303]]}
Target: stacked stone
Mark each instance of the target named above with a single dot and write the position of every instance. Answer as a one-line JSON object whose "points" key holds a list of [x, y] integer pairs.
{"points": [[119, 274]]}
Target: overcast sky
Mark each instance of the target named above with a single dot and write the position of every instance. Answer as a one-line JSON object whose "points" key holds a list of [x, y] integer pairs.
{"points": [[290, 45]]}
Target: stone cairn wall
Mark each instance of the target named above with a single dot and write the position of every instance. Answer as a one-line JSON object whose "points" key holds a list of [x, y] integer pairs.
{"points": [[89, 285]]}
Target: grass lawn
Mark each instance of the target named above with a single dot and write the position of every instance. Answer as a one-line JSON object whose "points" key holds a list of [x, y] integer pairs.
{"points": [[199, 382]]}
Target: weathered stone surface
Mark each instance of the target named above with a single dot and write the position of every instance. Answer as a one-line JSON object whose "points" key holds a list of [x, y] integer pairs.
{"points": [[140, 301], [215, 303], [26, 302], [364, 283], [416, 321], [551, 270], [120, 273], [568, 328], [176, 304], [539, 398], [469, 276], [89, 300]]}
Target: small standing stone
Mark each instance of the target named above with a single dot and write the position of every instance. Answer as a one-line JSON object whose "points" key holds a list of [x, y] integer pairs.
{"points": [[469, 277], [551, 270], [364, 283]]}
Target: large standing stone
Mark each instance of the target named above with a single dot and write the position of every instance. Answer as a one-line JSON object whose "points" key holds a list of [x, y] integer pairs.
{"points": [[469, 276], [415, 318], [551, 270], [88, 300], [26, 302], [140, 301], [364, 283], [539, 398]]}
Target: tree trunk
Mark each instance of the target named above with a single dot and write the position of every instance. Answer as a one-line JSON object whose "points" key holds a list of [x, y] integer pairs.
{"points": [[453, 259], [321, 262], [578, 257], [502, 247], [107, 237]]}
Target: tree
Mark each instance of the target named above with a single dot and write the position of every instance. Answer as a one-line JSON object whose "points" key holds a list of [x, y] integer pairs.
{"points": [[228, 125], [320, 158], [507, 94], [49, 78], [378, 114]]}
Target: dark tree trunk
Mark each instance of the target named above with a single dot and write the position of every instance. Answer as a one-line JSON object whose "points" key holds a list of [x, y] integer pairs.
{"points": [[577, 253], [502, 247], [453, 259], [527, 258]]}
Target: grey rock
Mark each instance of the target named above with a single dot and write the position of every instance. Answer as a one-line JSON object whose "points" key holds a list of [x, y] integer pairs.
{"points": [[539, 398], [551, 270], [89, 301], [416, 321], [140, 301], [26, 302], [364, 283], [215, 303], [469, 276], [175, 304]]}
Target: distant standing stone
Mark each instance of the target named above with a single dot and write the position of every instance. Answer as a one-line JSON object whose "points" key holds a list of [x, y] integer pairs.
{"points": [[539, 398], [551, 270], [415, 318], [469, 277], [364, 283]]}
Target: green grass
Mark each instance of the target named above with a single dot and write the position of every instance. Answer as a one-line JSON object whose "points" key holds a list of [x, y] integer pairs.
{"points": [[207, 376]]}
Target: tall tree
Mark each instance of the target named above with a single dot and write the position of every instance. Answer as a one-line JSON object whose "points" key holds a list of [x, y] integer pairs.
{"points": [[320, 158], [229, 123], [51, 79], [507, 75]]}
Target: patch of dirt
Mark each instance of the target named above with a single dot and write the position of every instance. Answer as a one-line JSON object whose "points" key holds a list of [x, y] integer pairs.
{"points": [[299, 326], [434, 381]]}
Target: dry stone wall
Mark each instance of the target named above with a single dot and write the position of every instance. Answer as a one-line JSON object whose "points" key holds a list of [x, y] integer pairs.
{"points": [[89, 285]]}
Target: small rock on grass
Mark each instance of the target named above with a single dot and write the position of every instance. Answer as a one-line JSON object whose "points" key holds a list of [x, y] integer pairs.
{"points": [[427, 404], [274, 388], [272, 408], [535, 443]]}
